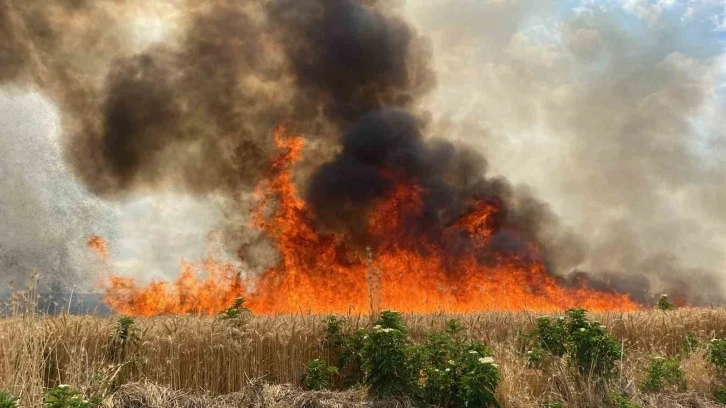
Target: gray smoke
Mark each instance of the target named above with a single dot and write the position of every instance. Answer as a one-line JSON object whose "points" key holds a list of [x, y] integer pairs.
{"points": [[612, 113]]}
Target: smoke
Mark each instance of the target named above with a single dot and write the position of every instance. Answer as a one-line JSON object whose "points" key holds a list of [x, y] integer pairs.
{"points": [[194, 113], [42, 212], [599, 120], [613, 114]]}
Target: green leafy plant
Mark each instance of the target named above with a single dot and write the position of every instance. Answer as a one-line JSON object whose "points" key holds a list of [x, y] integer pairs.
{"points": [[717, 355], [665, 304], [479, 376], [720, 395], [552, 335], [445, 370], [592, 349], [125, 339], [691, 343], [385, 356], [7, 400], [456, 373], [454, 328], [620, 400], [587, 345], [537, 357], [548, 339], [662, 373], [318, 375], [125, 327], [235, 311], [345, 350], [63, 396]]}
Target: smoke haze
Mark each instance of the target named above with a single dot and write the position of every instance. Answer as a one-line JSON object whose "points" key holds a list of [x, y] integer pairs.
{"points": [[612, 113]]}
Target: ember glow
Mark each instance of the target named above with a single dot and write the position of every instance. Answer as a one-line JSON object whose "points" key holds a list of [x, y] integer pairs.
{"points": [[399, 266]]}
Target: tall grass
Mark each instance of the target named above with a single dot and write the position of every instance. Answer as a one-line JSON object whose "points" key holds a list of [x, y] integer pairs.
{"points": [[221, 357]]}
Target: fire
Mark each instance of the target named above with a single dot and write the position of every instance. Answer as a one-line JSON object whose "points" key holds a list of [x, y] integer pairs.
{"points": [[98, 245], [447, 268], [189, 294]]}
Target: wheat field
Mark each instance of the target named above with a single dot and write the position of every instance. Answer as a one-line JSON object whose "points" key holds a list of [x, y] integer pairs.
{"points": [[257, 358]]}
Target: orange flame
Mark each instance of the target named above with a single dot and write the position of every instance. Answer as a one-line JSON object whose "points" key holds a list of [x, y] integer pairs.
{"points": [[327, 272], [98, 245]]}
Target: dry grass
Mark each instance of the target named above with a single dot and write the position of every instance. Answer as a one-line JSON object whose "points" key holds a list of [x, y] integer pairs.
{"points": [[257, 394], [201, 357]]}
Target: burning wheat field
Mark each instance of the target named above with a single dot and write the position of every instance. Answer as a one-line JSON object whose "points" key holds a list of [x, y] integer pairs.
{"points": [[352, 203]]}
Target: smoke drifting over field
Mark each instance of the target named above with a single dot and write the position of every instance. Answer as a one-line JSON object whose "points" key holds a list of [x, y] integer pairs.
{"points": [[194, 113]]}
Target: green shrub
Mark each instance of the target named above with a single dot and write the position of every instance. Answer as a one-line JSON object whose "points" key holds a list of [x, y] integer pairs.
{"points": [[7, 400], [63, 396], [537, 357], [548, 339], [552, 335], [662, 373], [720, 395], [124, 340], [717, 355], [478, 377], [235, 311], [125, 328], [665, 304], [345, 350], [318, 375], [456, 373], [445, 370], [386, 358], [587, 345], [619, 400], [691, 343], [594, 351]]}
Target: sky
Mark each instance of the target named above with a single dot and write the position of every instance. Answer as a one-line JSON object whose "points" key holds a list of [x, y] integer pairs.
{"points": [[612, 111]]}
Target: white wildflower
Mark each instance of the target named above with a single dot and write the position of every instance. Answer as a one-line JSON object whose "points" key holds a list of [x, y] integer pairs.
{"points": [[494, 365], [377, 327], [448, 369], [63, 386], [452, 362], [582, 329], [529, 352], [486, 360], [473, 352]]}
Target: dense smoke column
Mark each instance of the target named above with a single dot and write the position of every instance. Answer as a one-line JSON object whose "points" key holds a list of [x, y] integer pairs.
{"points": [[240, 69], [387, 147], [349, 59]]}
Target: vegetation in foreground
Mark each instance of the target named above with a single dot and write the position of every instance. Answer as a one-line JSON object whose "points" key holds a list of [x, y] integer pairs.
{"points": [[666, 357]]}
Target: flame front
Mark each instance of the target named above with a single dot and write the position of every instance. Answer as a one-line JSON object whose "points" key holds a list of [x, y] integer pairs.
{"points": [[447, 268]]}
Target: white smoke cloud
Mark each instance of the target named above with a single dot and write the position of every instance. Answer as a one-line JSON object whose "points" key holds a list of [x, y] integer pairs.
{"points": [[610, 116], [46, 216]]}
